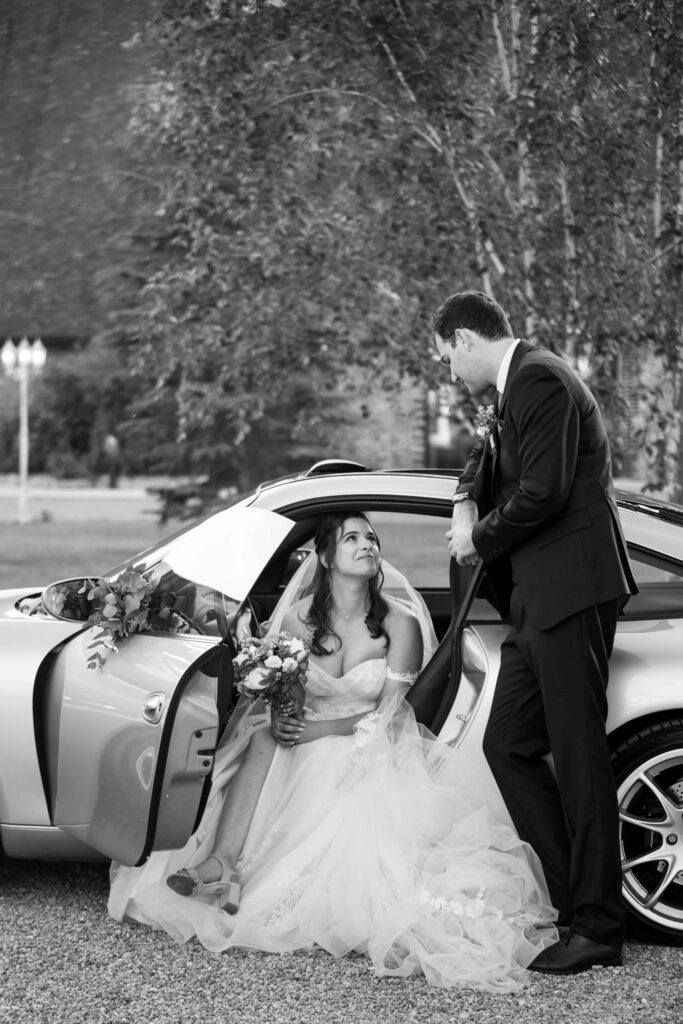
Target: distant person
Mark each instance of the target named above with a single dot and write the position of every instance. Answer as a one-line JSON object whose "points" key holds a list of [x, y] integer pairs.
{"points": [[111, 450]]}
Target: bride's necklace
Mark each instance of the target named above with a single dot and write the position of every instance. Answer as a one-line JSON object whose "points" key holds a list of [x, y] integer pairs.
{"points": [[352, 615]]}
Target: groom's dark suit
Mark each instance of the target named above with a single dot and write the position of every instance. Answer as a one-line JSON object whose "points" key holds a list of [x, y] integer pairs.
{"points": [[556, 564]]}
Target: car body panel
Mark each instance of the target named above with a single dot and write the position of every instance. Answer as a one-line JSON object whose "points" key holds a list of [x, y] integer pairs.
{"points": [[642, 530], [44, 842], [643, 679], [24, 643], [112, 772]]}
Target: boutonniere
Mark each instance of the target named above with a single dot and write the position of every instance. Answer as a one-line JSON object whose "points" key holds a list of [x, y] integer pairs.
{"points": [[484, 424], [484, 421]]}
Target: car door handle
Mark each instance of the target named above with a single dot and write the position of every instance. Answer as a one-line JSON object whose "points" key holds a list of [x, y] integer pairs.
{"points": [[153, 708]]}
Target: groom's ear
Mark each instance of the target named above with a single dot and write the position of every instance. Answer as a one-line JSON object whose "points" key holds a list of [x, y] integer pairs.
{"points": [[464, 335]]}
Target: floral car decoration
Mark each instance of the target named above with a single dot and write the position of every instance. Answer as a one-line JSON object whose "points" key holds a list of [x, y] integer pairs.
{"points": [[131, 603]]}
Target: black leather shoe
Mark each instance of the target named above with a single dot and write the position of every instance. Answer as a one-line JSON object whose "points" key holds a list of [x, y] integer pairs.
{"points": [[573, 954]]}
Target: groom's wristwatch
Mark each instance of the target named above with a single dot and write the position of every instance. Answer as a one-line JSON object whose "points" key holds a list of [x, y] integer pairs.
{"points": [[462, 496]]}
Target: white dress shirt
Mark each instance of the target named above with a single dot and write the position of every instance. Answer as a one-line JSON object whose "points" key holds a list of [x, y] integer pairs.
{"points": [[504, 367]]}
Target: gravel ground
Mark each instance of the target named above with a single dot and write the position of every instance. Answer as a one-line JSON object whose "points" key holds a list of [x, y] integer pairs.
{"points": [[62, 959]]}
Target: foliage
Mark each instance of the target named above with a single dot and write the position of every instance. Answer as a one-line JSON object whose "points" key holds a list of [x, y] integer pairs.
{"points": [[131, 603], [285, 245], [326, 173], [79, 398]]}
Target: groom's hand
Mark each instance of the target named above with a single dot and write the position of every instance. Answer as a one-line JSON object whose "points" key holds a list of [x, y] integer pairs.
{"points": [[461, 546], [460, 534]]}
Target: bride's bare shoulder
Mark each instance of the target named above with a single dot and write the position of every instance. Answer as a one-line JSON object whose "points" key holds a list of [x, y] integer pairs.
{"points": [[400, 615], [295, 619]]}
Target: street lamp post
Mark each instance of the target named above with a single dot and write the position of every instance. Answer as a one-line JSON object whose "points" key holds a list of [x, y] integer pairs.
{"points": [[19, 361]]}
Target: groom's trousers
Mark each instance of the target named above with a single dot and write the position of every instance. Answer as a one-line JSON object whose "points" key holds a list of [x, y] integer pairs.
{"points": [[550, 698]]}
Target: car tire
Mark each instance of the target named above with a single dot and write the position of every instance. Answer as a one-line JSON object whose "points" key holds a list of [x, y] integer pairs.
{"points": [[648, 769]]}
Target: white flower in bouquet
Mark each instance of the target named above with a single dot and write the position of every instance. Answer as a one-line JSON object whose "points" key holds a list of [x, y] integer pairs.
{"points": [[290, 665], [242, 660], [273, 661], [258, 679]]}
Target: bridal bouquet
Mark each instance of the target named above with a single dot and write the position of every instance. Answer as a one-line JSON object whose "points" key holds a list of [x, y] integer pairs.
{"points": [[269, 668]]}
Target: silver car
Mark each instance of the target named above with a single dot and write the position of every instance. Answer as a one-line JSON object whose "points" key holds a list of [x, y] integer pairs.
{"points": [[108, 752]]}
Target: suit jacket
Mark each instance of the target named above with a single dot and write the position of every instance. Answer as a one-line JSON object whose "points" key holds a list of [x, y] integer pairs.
{"points": [[542, 481]]}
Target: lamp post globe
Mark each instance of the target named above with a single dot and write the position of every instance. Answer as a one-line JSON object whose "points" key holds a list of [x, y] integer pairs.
{"points": [[8, 355], [18, 362]]}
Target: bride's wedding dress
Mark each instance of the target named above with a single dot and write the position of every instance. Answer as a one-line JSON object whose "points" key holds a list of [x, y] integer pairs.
{"points": [[370, 842]]}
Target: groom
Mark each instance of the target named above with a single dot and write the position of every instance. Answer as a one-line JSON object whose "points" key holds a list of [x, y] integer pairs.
{"points": [[535, 502]]}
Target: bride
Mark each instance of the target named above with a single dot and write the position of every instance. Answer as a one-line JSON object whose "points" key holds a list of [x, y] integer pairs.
{"points": [[360, 832]]}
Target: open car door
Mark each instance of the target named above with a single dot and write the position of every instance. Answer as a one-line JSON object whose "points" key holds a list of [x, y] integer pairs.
{"points": [[128, 748], [434, 692]]}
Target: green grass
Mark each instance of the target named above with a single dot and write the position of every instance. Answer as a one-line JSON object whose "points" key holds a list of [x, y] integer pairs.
{"points": [[42, 552]]}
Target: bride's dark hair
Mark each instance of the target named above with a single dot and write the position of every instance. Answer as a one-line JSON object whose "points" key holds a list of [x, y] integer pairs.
{"points": [[319, 615]]}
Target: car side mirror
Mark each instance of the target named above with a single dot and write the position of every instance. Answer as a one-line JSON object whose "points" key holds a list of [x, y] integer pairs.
{"points": [[68, 599]]}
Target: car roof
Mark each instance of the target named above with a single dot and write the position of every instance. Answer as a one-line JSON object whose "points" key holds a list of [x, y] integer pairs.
{"points": [[667, 512], [425, 485], [648, 522]]}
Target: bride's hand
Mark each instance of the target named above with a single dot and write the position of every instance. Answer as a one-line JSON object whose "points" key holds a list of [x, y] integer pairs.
{"points": [[286, 731]]}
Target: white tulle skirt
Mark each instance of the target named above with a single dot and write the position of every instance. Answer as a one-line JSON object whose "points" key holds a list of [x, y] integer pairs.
{"points": [[366, 843]]}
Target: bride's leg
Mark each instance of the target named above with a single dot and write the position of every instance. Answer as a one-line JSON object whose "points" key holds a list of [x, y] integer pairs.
{"points": [[239, 806]]}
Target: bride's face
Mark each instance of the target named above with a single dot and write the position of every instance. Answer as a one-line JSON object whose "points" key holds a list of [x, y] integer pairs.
{"points": [[357, 551]]}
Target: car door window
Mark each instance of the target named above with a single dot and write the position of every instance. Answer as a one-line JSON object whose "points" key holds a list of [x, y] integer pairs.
{"points": [[416, 545], [660, 587], [413, 543], [193, 607]]}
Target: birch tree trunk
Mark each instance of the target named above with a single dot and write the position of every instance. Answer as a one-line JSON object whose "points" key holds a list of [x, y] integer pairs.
{"points": [[484, 248], [512, 78], [572, 327], [678, 264], [658, 169], [571, 320]]}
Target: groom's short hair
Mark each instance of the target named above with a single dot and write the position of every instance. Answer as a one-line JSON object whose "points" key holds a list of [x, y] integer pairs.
{"points": [[474, 311]]}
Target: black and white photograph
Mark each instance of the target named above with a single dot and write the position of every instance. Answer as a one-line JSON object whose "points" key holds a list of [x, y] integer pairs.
{"points": [[341, 511]]}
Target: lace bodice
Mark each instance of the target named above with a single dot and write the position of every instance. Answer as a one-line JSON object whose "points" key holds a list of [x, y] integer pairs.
{"points": [[355, 693]]}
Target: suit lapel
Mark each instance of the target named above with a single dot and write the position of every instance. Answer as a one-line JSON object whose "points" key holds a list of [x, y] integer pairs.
{"points": [[484, 477]]}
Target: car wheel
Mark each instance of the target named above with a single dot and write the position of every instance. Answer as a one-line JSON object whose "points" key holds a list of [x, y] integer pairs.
{"points": [[648, 769]]}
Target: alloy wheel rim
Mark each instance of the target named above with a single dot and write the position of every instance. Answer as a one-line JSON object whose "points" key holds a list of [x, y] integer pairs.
{"points": [[651, 839]]}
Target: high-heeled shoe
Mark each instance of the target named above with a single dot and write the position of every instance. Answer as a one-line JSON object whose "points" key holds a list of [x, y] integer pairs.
{"points": [[187, 882]]}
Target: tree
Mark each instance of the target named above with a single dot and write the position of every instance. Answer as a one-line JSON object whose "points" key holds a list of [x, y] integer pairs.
{"points": [[326, 172], [283, 243]]}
